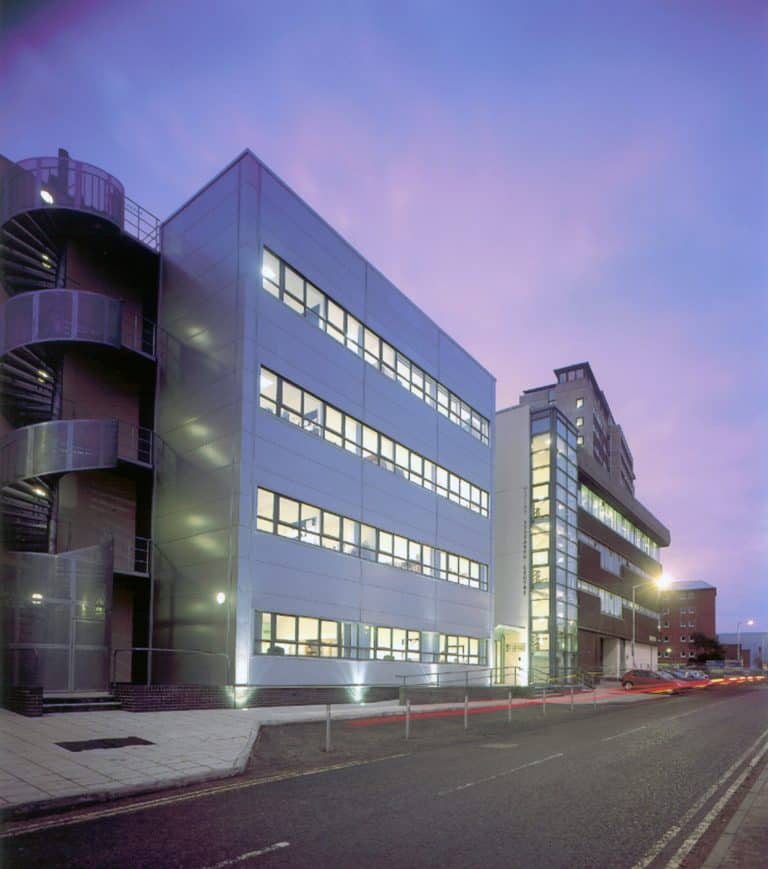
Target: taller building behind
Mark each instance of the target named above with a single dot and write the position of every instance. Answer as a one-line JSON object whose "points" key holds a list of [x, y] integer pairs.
{"points": [[577, 555]]}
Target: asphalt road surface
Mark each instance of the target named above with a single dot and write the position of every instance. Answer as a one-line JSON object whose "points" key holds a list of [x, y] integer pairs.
{"points": [[617, 787]]}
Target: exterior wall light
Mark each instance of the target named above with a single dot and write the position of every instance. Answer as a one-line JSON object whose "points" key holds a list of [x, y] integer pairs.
{"points": [[46, 196], [220, 598]]}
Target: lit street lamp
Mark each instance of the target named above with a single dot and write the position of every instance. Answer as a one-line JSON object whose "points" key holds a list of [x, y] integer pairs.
{"points": [[749, 623], [661, 583]]}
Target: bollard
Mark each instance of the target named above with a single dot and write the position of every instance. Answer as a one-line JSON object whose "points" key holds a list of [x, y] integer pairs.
{"points": [[509, 706], [571, 698], [594, 697], [466, 711], [327, 727], [408, 718], [544, 700]]}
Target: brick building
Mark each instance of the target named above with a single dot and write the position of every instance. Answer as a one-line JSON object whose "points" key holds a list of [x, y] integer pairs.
{"points": [[687, 607]]}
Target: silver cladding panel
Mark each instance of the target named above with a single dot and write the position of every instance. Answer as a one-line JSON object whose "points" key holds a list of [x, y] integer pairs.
{"points": [[219, 447]]}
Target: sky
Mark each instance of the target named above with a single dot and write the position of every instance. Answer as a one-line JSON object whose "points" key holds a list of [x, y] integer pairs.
{"points": [[551, 182]]}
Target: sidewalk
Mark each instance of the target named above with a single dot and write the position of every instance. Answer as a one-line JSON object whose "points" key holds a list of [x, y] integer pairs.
{"points": [[186, 747], [744, 844]]}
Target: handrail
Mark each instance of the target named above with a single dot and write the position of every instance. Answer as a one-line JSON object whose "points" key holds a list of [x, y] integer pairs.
{"points": [[61, 182], [465, 677], [152, 649]]}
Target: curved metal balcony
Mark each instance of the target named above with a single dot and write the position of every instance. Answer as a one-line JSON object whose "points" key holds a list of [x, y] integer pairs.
{"points": [[63, 446], [63, 183], [73, 315]]}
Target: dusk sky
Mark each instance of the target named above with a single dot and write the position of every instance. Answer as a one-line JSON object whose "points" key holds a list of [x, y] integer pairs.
{"points": [[551, 182]]}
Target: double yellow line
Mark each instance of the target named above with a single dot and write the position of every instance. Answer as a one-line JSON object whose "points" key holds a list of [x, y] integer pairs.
{"points": [[22, 828]]}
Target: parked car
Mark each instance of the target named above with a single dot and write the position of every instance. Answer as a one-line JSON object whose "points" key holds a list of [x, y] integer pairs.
{"points": [[650, 680], [680, 683]]}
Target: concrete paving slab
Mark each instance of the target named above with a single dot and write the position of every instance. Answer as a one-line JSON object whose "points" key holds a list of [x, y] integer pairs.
{"points": [[188, 746]]}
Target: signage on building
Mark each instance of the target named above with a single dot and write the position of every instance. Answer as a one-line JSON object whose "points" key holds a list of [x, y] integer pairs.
{"points": [[525, 540]]}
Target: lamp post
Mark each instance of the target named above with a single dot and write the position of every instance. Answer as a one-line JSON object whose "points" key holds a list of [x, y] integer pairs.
{"points": [[661, 583], [749, 623]]}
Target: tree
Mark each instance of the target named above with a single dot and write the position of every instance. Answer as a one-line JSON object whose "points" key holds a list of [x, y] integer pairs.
{"points": [[708, 648]]}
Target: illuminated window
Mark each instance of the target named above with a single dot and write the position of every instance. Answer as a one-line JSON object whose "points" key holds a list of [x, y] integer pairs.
{"points": [[579, 422], [456, 649], [312, 637], [305, 410], [579, 402], [277, 514], [281, 281]]}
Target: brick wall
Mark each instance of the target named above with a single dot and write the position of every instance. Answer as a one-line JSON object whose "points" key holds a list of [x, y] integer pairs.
{"points": [[25, 701], [156, 698]]}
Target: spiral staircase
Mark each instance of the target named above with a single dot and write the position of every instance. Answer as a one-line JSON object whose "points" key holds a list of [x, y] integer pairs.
{"points": [[56, 604]]}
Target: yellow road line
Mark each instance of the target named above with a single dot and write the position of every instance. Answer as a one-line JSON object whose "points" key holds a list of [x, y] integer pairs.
{"points": [[22, 828]]}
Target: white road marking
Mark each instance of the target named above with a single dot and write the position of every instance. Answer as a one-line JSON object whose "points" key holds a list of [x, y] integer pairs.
{"points": [[24, 828], [481, 781], [623, 733], [685, 849], [248, 854], [654, 852]]}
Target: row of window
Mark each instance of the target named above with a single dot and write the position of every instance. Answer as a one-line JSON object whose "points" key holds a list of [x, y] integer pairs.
{"points": [[286, 284], [611, 561], [306, 636], [296, 520], [609, 599], [610, 604], [611, 517], [302, 408]]}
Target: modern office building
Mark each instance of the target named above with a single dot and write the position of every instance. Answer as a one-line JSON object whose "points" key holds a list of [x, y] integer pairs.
{"points": [[287, 479], [577, 555], [687, 608]]}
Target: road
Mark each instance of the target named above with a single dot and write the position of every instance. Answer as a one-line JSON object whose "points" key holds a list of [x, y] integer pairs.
{"points": [[604, 788]]}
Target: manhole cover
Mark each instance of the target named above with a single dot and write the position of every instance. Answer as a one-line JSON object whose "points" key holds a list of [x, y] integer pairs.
{"points": [[88, 744], [500, 745]]}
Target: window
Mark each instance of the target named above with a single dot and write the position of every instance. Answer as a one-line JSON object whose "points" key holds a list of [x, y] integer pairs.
{"points": [[579, 402], [579, 422], [301, 408], [278, 514], [397, 644], [456, 649], [312, 637], [611, 517], [286, 284], [580, 440]]}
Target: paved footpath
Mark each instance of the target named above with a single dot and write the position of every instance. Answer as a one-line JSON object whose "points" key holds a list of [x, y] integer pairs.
{"points": [[36, 773], [744, 843], [568, 768]]}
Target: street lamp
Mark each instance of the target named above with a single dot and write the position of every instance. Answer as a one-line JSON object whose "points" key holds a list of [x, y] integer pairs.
{"points": [[661, 583], [749, 623]]}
